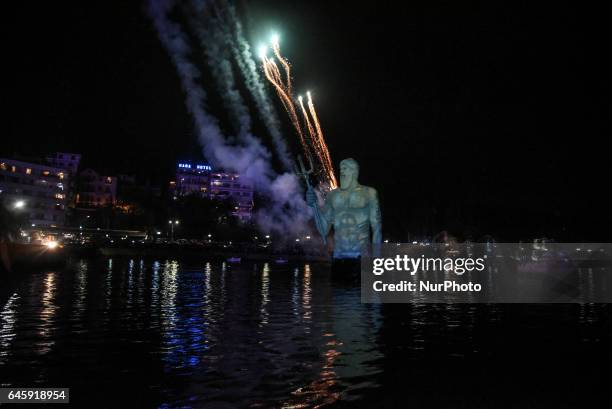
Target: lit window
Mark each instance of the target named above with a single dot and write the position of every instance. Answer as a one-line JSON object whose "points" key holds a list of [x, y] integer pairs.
{"points": [[13, 169], [61, 175], [28, 171], [46, 173], [3, 166]]}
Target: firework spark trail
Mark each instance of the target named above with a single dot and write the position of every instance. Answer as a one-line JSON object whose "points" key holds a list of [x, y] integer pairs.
{"points": [[314, 140], [323, 146], [273, 75], [276, 73], [312, 132], [284, 63], [286, 86]]}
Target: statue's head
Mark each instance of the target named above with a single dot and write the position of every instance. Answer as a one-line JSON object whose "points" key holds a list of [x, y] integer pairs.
{"points": [[349, 172]]}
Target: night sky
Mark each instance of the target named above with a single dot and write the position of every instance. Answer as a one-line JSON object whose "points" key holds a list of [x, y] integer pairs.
{"points": [[472, 117]]}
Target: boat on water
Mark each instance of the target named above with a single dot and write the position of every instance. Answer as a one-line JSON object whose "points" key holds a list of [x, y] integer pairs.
{"points": [[16, 255]]}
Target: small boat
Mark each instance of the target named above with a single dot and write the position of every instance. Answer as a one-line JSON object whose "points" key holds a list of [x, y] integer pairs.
{"points": [[233, 260], [18, 255]]}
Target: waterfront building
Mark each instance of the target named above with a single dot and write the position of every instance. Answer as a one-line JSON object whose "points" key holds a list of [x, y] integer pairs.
{"points": [[67, 161], [95, 190], [201, 179], [229, 185], [39, 190], [192, 179]]}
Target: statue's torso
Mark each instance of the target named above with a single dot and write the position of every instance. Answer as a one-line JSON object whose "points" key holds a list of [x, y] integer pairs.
{"points": [[351, 220]]}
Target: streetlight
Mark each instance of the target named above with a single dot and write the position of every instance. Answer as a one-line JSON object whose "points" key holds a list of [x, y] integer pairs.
{"points": [[19, 204], [172, 223]]}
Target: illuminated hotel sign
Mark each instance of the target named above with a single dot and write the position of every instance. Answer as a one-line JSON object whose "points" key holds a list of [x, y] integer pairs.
{"points": [[198, 167]]}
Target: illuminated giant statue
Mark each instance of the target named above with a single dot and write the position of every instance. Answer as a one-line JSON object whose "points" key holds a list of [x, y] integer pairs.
{"points": [[352, 210]]}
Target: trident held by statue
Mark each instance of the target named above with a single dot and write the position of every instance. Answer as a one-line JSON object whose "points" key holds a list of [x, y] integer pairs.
{"points": [[300, 170]]}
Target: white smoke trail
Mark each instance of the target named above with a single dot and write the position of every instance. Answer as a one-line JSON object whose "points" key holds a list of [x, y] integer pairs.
{"points": [[217, 50], [253, 81], [286, 212]]}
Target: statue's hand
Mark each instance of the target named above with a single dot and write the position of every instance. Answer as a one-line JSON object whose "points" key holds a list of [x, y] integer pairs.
{"points": [[311, 198]]}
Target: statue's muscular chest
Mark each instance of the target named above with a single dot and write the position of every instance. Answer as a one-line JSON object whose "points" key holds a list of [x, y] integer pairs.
{"points": [[353, 200], [351, 213]]}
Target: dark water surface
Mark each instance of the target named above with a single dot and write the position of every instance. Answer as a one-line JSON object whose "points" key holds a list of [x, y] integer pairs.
{"points": [[169, 333]]}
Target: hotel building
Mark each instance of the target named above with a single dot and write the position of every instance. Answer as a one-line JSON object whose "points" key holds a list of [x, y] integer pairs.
{"points": [[39, 190], [203, 180]]}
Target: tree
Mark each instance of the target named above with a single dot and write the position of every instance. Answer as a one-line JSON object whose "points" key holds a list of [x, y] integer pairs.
{"points": [[10, 221], [200, 216]]}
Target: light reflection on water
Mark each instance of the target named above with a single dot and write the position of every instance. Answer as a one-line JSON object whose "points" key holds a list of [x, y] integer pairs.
{"points": [[306, 293], [265, 293], [80, 295], [47, 327], [8, 317], [239, 335]]}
